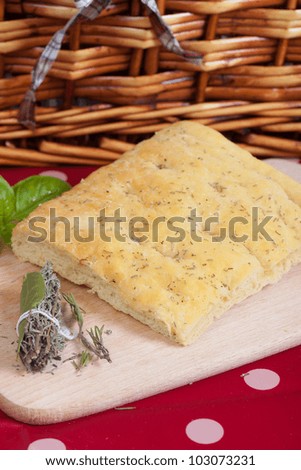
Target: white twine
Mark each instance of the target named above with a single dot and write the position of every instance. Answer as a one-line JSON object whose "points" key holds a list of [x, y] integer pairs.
{"points": [[62, 329]]}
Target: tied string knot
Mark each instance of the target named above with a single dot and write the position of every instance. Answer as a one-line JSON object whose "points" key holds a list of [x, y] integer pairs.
{"points": [[62, 329]]}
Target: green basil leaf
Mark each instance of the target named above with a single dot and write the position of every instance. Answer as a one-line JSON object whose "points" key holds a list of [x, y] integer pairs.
{"points": [[6, 232], [7, 210], [19, 201], [7, 202], [33, 191], [33, 291], [21, 332]]}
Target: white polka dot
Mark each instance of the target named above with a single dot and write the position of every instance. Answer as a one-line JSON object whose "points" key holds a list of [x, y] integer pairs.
{"points": [[55, 173], [261, 379], [47, 444], [204, 431]]}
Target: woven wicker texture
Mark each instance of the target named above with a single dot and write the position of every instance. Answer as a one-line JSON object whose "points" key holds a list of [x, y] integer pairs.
{"points": [[113, 84]]}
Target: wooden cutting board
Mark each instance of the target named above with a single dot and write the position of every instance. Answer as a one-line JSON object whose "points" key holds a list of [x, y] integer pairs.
{"points": [[144, 363]]}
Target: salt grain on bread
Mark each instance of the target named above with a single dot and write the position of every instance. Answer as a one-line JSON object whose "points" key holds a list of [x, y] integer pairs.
{"points": [[175, 287]]}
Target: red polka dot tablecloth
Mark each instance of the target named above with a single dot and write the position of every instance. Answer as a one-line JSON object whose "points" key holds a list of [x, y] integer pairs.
{"points": [[256, 406]]}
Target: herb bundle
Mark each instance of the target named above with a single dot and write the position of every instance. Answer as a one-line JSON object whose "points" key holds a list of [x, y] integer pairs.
{"points": [[41, 330], [39, 338]]}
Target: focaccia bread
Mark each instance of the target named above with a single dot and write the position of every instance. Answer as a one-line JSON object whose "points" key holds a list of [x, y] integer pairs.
{"points": [[165, 276]]}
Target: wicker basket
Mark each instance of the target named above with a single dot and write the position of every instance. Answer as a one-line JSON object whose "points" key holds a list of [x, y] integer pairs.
{"points": [[113, 84]]}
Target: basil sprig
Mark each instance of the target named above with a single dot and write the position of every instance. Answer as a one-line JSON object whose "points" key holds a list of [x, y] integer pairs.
{"points": [[33, 291], [32, 294], [18, 201]]}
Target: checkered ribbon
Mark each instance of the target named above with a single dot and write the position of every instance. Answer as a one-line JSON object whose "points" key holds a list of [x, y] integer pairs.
{"points": [[165, 34], [87, 11]]}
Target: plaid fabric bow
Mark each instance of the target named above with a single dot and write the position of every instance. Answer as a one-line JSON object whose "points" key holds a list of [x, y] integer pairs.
{"points": [[87, 11]]}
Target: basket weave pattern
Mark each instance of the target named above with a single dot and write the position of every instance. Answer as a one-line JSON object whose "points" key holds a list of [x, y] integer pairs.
{"points": [[114, 84]]}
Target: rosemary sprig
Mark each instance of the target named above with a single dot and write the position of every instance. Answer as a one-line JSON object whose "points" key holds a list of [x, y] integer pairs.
{"points": [[95, 344], [84, 359], [75, 308]]}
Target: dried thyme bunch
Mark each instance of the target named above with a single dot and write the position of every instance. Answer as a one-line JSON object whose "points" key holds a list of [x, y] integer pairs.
{"points": [[40, 340], [42, 333]]}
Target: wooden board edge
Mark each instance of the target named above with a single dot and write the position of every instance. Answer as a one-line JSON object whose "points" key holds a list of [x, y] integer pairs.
{"points": [[39, 417]]}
